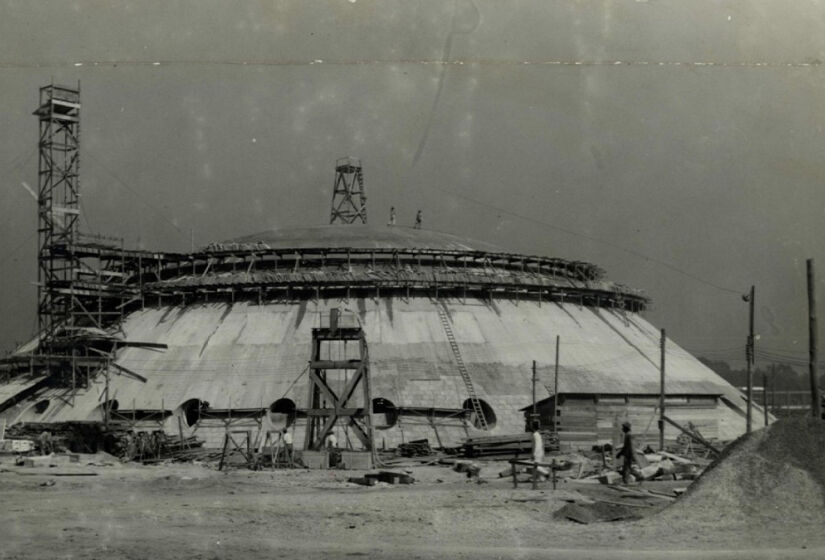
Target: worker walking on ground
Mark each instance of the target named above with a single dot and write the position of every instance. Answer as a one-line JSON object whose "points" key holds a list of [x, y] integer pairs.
{"points": [[538, 452], [627, 452], [538, 445], [418, 218]]}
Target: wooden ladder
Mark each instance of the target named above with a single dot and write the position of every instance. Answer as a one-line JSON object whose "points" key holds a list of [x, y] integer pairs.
{"points": [[462, 369]]}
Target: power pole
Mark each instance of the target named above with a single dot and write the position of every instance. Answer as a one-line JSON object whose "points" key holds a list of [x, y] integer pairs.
{"points": [[662, 393], [749, 355], [816, 399], [556, 390]]}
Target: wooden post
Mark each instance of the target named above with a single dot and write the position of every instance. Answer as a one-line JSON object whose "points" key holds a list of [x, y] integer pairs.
{"points": [[556, 390], [662, 392], [514, 468], [816, 399], [773, 389], [533, 417], [106, 404], [765, 396], [749, 354]]}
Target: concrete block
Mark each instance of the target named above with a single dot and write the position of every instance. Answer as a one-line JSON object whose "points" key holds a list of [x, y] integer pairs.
{"points": [[356, 460], [315, 459]]}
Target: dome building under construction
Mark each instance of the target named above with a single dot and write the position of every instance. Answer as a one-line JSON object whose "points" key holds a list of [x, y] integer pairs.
{"points": [[381, 334]]}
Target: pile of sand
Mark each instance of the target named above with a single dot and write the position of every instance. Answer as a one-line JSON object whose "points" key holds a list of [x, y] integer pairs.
{"points": [[774, 473]]}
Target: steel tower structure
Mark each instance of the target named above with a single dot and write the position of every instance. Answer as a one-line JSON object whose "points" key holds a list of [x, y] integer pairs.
{"points": [[349, 199]]}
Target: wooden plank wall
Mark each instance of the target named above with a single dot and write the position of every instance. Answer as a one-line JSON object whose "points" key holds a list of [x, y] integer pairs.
{"points": [[584, 422]]}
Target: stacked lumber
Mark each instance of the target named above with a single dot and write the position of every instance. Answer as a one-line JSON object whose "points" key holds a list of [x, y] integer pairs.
{"points": [[415, 448], [508, 445]]}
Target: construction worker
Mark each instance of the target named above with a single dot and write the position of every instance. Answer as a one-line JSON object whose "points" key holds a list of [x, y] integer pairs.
{"points": [[418, 217], [538, 452], [627, 452], [286, 439], [331, 444], [538, 444], [131, 446], [45, 442], [392, 216]]}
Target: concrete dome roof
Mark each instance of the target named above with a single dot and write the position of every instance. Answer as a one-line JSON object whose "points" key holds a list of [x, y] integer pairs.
{"points": [[358, 236]]}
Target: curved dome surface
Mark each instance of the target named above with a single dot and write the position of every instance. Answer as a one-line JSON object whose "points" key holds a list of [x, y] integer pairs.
{"points": [[364, 237]]}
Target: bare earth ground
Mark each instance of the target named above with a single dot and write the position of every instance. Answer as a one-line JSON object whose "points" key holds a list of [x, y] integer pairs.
{"points": [[190, 511]]}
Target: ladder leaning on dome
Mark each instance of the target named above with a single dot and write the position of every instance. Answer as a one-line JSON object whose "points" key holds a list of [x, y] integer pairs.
{"points": [[481, 420]]}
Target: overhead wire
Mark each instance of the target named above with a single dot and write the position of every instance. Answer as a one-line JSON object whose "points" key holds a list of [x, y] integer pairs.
{"points": [[574, 233], [136, 194]]}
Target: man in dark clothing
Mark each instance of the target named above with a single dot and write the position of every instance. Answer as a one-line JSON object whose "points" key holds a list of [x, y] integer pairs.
{"points": [[627, 452]]}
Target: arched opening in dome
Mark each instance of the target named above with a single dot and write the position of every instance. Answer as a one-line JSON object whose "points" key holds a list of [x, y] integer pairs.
{"points": [[41, 406], [486, 410], [385, 413], [282, 413], [191, 411]]}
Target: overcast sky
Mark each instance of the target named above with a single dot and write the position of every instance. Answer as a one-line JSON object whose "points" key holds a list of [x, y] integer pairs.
{"points": [[678, 145]]}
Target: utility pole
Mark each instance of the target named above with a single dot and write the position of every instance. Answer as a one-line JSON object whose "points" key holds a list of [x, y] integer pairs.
{"points": [[749, 355], [662, 393], [816, 400], [556, 390]]}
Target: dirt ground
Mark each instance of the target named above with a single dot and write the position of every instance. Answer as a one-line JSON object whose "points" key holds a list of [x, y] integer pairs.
{"points": [[191, 511]]}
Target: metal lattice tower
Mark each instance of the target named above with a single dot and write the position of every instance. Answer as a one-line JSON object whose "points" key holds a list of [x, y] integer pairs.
{"points": [[349, 199], [58, 205]]}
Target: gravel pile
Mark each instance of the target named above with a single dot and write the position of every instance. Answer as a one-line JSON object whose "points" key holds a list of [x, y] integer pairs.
{"points": [[777, 473]]}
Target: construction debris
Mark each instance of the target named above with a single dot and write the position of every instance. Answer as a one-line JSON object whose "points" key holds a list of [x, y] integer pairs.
{"points": [[416, 448], [508, 445], [388, 477]]}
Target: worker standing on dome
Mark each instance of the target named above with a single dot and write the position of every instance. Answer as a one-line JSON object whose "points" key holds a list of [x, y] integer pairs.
{"points": [[418, 218], [392, 216]]}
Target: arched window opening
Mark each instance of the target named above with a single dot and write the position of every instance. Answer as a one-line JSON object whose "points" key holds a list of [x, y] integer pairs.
{"points": [[385, 413], [191, 411], [282, 413], [486, 410], [41, 406]]}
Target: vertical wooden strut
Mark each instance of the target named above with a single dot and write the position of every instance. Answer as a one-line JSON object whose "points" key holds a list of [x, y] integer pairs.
{"points": [[750, 355], [816, 397], [462, 369], [662, 391]]}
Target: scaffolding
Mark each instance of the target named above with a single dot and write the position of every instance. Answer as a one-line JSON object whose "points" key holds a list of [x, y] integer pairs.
{"points": [[58, 206]]}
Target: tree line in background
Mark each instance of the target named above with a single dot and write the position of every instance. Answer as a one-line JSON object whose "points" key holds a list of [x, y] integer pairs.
{"points": [[781, 377]]}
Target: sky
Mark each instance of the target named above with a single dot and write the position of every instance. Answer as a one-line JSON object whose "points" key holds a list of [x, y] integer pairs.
{"points": [[678, 145]]}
